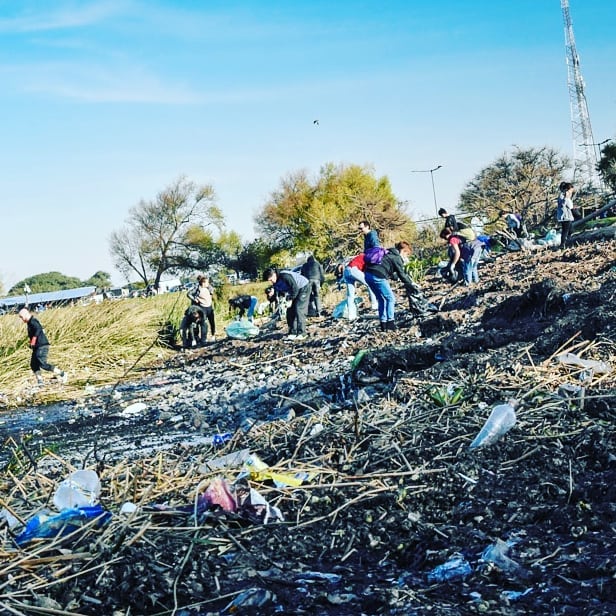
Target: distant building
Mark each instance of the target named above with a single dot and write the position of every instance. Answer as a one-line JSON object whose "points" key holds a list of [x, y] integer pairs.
{"points": [[50, 298]]}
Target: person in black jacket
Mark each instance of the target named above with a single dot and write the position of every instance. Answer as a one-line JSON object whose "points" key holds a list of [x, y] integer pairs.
{"points": [[297, 289], [377, 274], [450, 220], [244, 303], [313, 271], [40, 347]]}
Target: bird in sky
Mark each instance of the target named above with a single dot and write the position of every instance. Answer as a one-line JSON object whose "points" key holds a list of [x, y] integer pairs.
{"points": [[315, 122]]}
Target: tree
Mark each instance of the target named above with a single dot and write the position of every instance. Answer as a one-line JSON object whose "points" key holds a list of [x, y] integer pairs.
{"points": [[607, 165], [155, 238], [321, 216], [100, 279], [525, 182], [50, 281]]}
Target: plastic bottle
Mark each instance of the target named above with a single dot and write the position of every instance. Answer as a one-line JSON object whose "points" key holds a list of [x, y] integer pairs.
{"points": [[571, 359], [501, 420]]}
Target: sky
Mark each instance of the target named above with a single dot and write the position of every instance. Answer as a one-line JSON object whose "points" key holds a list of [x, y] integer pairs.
{"points": [[107, 102]]}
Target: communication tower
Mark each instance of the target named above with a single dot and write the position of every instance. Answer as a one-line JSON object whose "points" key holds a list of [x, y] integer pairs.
{"points": [[584, 153]]}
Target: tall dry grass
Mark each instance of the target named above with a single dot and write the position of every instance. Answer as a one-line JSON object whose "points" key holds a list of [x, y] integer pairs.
{"points": [[94, 344]]}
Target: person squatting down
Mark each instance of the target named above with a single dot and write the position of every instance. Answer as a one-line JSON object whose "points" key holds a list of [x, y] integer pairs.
{"points": [[245, 304], [192, 327], [313, 271], [464, 255], [40, 347], [201, 296], [391, 265], [354, 272], [297, 289]]}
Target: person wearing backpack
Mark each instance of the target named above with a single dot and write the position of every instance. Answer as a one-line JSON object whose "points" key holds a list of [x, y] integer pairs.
{"points": [[463, 253], [379, 268]]}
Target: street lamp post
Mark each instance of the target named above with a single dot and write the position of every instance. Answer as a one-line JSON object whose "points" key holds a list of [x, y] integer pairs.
{"points": [[431, 172]]}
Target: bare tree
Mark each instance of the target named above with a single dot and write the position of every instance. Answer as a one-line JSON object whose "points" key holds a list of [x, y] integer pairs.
{"points": [[153, 241]]}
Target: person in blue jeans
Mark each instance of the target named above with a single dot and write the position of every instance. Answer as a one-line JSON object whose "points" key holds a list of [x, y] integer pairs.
{"points": [[377, 275], [465, 253], [354, 273], [246, 304]]}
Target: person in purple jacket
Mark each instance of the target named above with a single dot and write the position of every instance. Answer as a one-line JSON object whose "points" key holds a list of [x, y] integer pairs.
{"points": [[297, 290]]}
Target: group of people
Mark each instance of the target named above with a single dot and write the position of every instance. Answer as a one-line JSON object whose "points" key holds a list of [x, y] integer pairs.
{"points": [[373, 268], [200, 314]]}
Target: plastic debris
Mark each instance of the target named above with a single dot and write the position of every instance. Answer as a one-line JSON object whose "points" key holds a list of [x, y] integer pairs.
{"points": [[456, 567], [134, 409], [218, 493], [242, 330], [231, 460], [497, 554], [42, 525], [9, 518], [571, 359], [251, 598], [220, 439], [501, 420], [259, 471], [79, 489]]}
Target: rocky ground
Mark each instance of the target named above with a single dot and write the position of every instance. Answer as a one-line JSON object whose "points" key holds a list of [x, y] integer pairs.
{"points": [[380, 425]]}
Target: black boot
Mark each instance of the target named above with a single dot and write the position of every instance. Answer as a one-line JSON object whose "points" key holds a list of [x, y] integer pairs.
{"points": [[383, 326], [391, 326]]}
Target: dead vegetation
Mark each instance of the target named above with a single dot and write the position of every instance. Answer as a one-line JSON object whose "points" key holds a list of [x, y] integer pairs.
{"points": [[392, 489]]}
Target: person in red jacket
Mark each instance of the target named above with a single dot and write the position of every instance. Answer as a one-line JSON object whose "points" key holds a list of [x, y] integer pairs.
{"points": [[40, 347], [354, 272]]}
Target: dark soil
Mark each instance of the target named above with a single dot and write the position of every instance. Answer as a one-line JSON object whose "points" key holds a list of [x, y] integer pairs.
{"points": [[398, 492]]}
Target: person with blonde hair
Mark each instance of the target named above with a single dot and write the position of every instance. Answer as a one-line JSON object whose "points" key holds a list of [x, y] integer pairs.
{"points": [[40, 347]]}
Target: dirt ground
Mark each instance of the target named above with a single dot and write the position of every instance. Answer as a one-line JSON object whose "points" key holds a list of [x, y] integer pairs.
{"points": [[381, 424]]}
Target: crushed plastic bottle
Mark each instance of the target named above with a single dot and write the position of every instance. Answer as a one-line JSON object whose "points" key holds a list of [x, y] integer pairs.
{"points": [[571, 359], [456, 567], [501, 420]]}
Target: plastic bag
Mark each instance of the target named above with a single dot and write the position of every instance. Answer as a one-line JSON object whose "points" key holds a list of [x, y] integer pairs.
{"points": [[242, 330], [79, 489]]}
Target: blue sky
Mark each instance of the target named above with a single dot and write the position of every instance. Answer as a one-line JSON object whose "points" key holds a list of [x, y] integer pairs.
{"points": [[108, 102]]}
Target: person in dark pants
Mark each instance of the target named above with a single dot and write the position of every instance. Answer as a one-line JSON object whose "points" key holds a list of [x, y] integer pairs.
{"points": [[202, 296], [564, 212], [313, 270], [192, 327], [297, 290], [40, 347]]}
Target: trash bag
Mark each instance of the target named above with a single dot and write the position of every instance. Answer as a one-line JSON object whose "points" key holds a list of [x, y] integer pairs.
{"points": [[242, 330], [418, 304]]}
